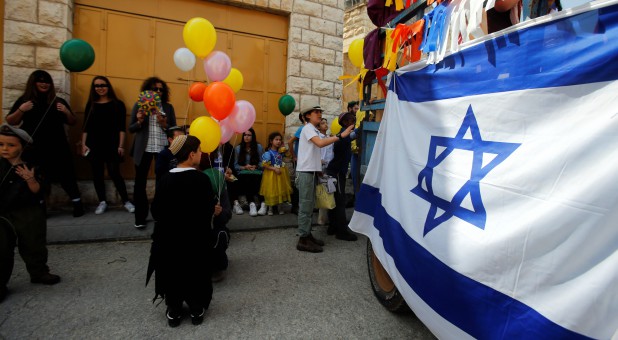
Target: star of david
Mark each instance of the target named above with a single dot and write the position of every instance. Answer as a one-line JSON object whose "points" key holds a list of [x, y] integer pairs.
{"points": [[479, 147]]}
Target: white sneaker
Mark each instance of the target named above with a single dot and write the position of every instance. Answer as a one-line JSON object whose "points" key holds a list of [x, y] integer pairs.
{"points": [[129, 206], [262, 210], [270, 210], [101, 208], [237, 209], [252, 209]]}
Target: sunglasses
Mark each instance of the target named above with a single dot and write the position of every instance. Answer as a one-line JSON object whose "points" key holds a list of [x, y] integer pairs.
{"points": [[42, 81], [157, 89], [100, 85]]}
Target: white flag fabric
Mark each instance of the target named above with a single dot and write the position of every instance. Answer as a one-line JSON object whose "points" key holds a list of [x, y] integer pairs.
{"points": [[491, 197]]}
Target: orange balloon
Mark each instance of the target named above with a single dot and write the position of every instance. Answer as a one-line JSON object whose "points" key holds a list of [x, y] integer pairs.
{"points": [[196, 91], [219, 100]]}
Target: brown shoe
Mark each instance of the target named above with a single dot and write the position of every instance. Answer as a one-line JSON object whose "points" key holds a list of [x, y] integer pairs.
{"points": [[46, 279], [316, 241], [305, 244]]}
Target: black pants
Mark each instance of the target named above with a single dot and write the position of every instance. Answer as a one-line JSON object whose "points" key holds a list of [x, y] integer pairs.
{"points": [[337, 219], [25, 228], [139, 189], [113, 170], [249, 185]]}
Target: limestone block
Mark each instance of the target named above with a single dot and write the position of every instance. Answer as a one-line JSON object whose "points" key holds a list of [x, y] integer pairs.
{"points": [[53, 14], [48, 58], [286, 5], [298, 50], [313, 38], [9, 97], [299, 20], [250, 2], [322, 25], [332, 14], [338, 58], [331, 105], [338, 91], [331, 3], [333, 42], [309, 8], [32, 34], [311, 70], [276, 4], [262, 3], [299, 85], [332, 73], [321, 55], [66, 2], [22, 10], [19, 55], [339, 29], [15, 77], [308, 99], [322, 88], [293, 67], [295, 34]]}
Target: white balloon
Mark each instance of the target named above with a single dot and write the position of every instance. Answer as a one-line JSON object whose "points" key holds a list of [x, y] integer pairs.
{"points": [[184, 59]]}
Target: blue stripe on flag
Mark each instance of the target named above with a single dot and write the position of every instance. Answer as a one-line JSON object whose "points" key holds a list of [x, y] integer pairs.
{"points": [[580, 49], [475, 308]]}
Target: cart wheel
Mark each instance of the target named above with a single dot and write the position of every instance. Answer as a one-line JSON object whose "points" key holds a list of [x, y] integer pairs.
{"points": [[382, 285]]}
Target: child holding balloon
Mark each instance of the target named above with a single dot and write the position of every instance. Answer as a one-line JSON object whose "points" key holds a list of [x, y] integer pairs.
{"points": [[276, 187]]}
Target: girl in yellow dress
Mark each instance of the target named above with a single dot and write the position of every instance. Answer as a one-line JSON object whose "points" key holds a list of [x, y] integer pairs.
{"points": [[276, 187]]}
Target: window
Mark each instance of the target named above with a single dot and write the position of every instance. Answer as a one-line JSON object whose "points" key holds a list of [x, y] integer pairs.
{"points": [[353, 3]]}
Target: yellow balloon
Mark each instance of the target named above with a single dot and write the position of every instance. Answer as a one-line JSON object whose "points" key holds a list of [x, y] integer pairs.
{"points": [[199, 36], [208, 131], [335, 128], [234, 79], [355, 52]]}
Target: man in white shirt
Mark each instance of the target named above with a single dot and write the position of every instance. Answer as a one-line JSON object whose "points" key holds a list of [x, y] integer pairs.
{"points": [[309, 166]]}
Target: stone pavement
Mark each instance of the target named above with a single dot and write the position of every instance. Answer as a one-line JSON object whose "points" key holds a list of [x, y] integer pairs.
{"points": [[118, 224]]}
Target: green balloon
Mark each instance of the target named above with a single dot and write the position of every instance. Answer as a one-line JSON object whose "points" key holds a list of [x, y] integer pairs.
{"points": [[286, 104], [76, 55]]}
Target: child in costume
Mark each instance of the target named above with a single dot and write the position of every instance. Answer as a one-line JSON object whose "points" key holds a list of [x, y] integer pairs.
{"points": [[275, 187], [22, 215]]}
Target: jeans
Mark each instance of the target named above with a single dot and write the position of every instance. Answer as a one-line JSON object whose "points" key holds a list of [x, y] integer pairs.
{"points": [[305, 182], [113, 169]]}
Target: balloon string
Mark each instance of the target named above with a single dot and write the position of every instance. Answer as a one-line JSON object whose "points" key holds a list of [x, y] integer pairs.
{"points": [[189, 102]]}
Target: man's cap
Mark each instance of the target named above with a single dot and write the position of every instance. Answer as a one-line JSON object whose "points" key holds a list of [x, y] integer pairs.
{"points": [[19, 133], [344, 115], [177, 144], [311, 108]]}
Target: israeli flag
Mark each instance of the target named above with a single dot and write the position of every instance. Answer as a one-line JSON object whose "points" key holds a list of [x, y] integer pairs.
{"points": [[491, 198]]}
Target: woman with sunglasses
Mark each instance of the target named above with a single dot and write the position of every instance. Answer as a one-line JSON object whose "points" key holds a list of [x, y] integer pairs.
{"points": [[103, 139], [43, 115], [150, 139], [248, 164]]}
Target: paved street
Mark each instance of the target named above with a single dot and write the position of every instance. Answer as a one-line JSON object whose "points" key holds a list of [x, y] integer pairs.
{"points": [[271, 291]]}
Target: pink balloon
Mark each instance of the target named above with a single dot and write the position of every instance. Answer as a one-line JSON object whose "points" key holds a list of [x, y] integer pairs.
{"points": [[242, 116], [217, 66], [226, 131]]}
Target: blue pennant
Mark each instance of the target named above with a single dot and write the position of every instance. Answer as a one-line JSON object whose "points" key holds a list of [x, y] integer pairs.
{"points": [[478, 146]]}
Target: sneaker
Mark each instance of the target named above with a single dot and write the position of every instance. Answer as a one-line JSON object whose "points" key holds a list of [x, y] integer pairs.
{"points": [[140, 226], [237, 209], [252, 209], [270, 210], [262, 210], [101, 208], [46, 279], [197, 318], [173, 319], [129, 206]]}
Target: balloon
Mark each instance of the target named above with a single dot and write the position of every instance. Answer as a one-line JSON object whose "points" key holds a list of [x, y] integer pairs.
{"points": [[286, 104], [219, 100], [217, 66], [184, 59], [76, 55], [243, 116], [196, 91], [335, 128], [355, 52], [235, 80], [207, 131], [226, 131], [199, 36]]}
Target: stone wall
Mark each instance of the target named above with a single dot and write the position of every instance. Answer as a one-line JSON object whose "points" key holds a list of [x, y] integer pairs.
{"points": [[34, 30]]}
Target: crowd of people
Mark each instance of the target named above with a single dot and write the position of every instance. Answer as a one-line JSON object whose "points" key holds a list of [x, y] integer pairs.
{"points": [[196, 193]]}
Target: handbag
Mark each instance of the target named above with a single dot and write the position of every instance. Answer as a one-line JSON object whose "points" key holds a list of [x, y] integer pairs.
{"points": [[322, 198]]}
